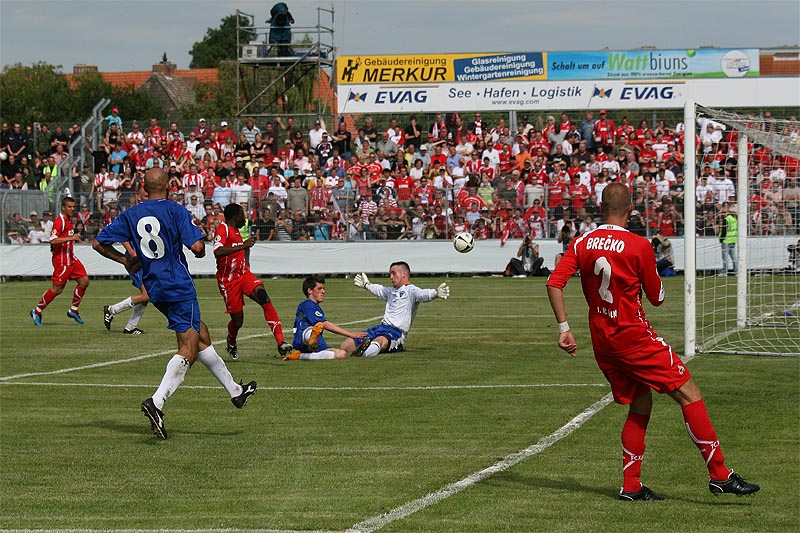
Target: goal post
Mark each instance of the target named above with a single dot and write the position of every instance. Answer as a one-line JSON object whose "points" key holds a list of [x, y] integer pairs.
{"points": [[690, 237], [757, 310]]}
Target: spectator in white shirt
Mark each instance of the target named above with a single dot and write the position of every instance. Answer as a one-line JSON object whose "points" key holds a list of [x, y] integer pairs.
{"points": [[196, 208], [241, 191], [315, 135]]}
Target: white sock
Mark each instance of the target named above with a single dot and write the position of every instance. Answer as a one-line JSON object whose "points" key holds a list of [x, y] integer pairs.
{"points": [[119, 307], [136, 316], [173, 377], [216, 366], [316, 356], [374, 349]]}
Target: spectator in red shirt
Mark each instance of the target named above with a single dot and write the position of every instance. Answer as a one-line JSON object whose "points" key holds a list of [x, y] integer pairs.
{"points": [[471, 199], [580, 195], [424, 193], [225, 133], [604, 131]]}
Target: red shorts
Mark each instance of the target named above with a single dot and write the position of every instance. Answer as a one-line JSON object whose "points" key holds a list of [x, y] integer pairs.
{"points": [[234, 291], [654, 366], [63, 273]]}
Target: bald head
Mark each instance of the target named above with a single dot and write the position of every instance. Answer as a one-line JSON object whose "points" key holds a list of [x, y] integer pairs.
{"points": [[155, 183], [616, 201]]}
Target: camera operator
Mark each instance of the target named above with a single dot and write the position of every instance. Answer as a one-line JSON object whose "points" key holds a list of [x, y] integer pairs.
{"points": [[527, 262], [663, 250], [564, 237]]}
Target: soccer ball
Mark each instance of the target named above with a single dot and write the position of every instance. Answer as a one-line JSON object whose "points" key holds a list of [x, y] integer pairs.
{"points": [[3, 156], [463, 242]]}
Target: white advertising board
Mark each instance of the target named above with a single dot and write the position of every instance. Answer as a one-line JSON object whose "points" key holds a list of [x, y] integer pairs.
{"points": [[548, 95]]}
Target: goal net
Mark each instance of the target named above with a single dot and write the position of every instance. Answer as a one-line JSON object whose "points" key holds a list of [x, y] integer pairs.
{"points": [[743, 290]]}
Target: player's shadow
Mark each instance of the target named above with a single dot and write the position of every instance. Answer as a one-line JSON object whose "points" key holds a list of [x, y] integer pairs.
{"points": [[572, 485], [116, 426], [143, 429], [564, 484], [260, 361]]}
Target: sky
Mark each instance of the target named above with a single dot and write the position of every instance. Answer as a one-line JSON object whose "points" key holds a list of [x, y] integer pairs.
{"points": [[120, 35]]}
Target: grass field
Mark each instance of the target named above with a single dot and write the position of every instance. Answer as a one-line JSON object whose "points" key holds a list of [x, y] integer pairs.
{"points": [[373, 443]]}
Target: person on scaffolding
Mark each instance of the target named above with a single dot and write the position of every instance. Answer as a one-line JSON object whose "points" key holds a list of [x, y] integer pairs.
{"points": [[280, 31]]}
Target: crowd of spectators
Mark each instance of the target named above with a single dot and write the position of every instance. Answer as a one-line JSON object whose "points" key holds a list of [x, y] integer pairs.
{"points": [[411, 181]]}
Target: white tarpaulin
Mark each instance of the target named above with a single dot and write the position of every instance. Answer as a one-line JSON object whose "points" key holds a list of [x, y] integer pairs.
{"points": [[334, 257]]}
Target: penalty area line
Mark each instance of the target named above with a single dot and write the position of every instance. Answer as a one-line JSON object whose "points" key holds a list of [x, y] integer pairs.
{"points": [[142, 357], [203, 530], [375, 523]]}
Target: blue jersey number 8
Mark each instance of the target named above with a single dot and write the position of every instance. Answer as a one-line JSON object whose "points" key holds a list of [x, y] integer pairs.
{"points": [[150, 236]]}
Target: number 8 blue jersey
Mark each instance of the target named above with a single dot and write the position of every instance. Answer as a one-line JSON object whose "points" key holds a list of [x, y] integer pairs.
{"points": [[158, 230]]}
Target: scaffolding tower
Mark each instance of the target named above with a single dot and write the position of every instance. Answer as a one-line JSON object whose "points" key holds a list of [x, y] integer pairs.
{"points": [[266, 73]]}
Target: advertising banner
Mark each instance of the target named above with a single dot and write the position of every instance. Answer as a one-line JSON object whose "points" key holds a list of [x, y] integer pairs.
{"points": [[552, 66], [547, 95], [653, 64], [439, 68]]}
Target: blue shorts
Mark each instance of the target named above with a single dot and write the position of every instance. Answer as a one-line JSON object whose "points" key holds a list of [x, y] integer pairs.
{"points": [[181, 315], [395, 336], [382, 330], [136, 279]]}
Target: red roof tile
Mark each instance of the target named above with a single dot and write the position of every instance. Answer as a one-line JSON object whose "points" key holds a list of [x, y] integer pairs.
{"points": [[138, 77]]}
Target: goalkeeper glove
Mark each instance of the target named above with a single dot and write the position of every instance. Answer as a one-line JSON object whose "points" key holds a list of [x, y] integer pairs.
{"points": [[443, 291], [361, 281]]}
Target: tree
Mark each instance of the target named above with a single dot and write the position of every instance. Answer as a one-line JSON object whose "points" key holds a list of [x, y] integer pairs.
{"points": [[220, 44], [42, 93], [216, 99], [39, 93], [135, 105], [90, 87]]}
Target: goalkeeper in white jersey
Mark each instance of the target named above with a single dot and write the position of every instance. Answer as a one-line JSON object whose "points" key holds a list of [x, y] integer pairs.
{"points": [[402, 300]]}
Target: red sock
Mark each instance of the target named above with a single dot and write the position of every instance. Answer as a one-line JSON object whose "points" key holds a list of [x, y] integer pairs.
{"points": [[47, 297], [702, 433], [77, 296], [273, 321], [633, 450], [233, 331]]}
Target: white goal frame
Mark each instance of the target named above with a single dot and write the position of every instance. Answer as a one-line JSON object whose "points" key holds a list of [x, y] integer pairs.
{"points": [[690, 239]]}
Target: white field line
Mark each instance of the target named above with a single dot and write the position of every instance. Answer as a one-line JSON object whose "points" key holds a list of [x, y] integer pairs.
{"points": [[146, 356], [323, 389], [377, 522], [220, 530]]}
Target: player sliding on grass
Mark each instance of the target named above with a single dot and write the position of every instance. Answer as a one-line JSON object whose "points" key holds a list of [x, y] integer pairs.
{"points": [[235, 280], [615, 267], [402, 300], [310, 323], [159, 229]]}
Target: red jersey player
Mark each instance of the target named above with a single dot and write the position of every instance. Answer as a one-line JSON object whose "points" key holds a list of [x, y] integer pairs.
{"points": [[66, 265], [235, 280], [616, 267]]}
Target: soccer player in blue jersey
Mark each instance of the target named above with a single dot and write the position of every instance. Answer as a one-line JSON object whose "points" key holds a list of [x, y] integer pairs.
{"points": [[310, 323], [158, 229], [136, 303], [402, 300]]}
